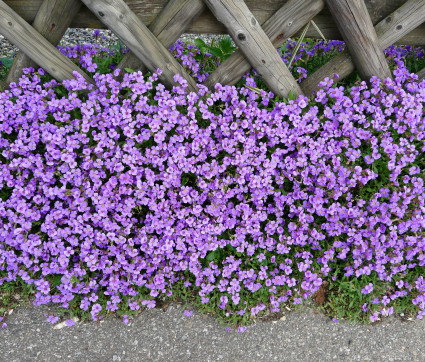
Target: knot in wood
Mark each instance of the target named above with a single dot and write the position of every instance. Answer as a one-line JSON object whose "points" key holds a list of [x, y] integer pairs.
{"points": [[241, 36], [253, 21], [101, 14], [9, 23], [388, 20], [399, 27]]}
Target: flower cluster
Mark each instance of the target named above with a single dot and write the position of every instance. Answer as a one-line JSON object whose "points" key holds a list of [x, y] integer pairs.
{"points": [[124, 193]]}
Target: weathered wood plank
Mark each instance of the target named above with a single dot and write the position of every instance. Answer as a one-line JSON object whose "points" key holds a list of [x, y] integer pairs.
{"points": [[52, 21], [283, 24], [26, 38], [148, 10], [139, 39], [389, 30], [421, 74], [176, 16], [255, 44], [353, 21]]}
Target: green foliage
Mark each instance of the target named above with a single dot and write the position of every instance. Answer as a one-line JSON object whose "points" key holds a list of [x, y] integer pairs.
{"points": [[7, 62], [344, 297], [221, 51]]}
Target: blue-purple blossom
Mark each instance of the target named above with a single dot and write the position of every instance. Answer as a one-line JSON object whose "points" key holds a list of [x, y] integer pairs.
{"points": [[228, 191]]}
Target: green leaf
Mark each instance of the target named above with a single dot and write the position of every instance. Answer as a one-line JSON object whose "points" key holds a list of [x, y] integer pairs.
{"points": [[7, 62], [129, 70], [211, 256], [56, 280], [199, 43], [204, 49], [292, 96], [226, 45], [216, 52]]}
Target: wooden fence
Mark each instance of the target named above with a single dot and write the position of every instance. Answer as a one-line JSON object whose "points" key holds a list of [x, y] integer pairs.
{"points": [[148, 28]]}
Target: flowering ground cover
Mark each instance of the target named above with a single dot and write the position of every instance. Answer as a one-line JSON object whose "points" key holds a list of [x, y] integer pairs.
{"points": [[241, 203]]}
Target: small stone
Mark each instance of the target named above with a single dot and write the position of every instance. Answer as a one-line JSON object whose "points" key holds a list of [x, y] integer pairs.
{"points": [[63, 324], [283, 318]]}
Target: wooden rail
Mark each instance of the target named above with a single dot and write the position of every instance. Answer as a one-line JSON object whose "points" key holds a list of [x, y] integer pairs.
{"points": [[147, 11]]}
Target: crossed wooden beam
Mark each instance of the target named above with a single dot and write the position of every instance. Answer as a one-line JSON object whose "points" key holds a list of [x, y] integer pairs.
{"points": [[257, 42]]}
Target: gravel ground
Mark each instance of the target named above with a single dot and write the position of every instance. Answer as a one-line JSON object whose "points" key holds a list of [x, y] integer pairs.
{"points": [[168, 335]]}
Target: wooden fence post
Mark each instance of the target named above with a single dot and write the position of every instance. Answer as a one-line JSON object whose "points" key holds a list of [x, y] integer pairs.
{"points": [[255, 44], [52, 20], [118, 17], [421, 74], [26, 38], [290, 18], [394, 27], [176, 16], [353, 21]]}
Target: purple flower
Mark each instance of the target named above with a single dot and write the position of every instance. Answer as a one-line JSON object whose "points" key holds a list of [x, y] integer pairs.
{"points": [[69, 322], [125, 319], [52, 319], [367, 289], [188, 313], [136, 188]]}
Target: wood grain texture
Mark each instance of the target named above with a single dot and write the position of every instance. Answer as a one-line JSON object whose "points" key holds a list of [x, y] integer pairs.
{"points": [[52, 20], [40, 50], [355, 25], [139, 39], [391, 29], [279, 27], [400, 23], [174, 19], [421, 74], [256, 45], [147, 11]]}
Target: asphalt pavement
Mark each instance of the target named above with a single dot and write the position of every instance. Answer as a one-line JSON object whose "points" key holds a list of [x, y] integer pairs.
{"points": [[169, 335]]}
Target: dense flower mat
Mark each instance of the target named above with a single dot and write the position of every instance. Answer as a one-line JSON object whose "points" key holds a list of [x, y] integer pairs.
{"points": [[234, 199]]}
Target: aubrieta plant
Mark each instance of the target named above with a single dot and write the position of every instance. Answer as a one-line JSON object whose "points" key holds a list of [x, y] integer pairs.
{"points": [[242, 203]]}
